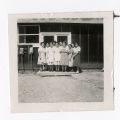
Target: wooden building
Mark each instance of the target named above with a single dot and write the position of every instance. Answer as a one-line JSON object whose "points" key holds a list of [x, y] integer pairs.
{"points": [[87, 32]]}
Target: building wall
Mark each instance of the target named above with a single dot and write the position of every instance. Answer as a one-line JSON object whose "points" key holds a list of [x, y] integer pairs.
{"points": [[88, 35]]}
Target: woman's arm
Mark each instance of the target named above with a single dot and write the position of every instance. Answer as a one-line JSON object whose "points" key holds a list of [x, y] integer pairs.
{"points": [[71, 54], [39, 53], [77, 52], [74, 54]]}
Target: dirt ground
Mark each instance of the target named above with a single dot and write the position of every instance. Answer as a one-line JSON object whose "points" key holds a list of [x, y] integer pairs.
{"points": [[87, 86]]}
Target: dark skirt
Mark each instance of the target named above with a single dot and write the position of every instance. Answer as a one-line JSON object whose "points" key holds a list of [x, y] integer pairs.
{"points": [[76, 60]]}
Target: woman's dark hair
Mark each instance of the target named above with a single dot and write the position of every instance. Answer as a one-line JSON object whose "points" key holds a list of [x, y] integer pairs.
{"points": [[51, 42], [57, 42], [70, 45], [76, 43], [47, 43], [60, 41], [41, 43], [54, 42], [65, 42]]}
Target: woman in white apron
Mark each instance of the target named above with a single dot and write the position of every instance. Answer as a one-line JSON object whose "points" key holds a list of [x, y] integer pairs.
{"points": [[70, 52], [64, 61], [41, 56], [51, 56], [47, 59], [57, 57]]}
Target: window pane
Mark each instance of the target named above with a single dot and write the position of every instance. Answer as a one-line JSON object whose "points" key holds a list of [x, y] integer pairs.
{"points": [[21, 29], [62, 39], [48, 39], [28, 29], [21, 39], [32, 30], [32, 39]]}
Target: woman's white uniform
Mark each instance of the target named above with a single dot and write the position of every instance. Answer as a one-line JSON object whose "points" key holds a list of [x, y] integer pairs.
{"points": [[47, 51], [50, 55], [70, 57], [57, 55], [42, 56]]}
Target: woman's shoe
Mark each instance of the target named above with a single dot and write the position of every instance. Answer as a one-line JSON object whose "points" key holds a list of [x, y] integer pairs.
{"points": [[77, 72], [38, 72]]}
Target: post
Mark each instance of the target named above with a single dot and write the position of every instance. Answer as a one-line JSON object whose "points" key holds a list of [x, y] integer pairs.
{"points": [[31, 53], [21, 57]]}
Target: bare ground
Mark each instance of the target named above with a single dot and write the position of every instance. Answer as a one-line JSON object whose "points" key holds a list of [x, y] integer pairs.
{"points": [[87, 86]]}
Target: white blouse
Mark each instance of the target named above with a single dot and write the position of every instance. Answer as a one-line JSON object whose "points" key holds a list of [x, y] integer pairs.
{"points": [[76, 49]]}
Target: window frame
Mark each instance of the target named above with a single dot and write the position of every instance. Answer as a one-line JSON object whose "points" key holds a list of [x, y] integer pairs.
{"points": [[35, 44], [55, 34]]}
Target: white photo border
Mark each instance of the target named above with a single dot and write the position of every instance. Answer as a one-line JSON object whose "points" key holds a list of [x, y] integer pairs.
{"points": [[108, 23]]}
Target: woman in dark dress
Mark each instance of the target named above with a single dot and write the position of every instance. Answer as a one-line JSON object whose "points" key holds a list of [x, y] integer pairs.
{"points": [[76, 57]]}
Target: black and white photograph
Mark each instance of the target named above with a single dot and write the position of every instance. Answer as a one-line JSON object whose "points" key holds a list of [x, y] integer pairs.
{"points": [[60, 58]]}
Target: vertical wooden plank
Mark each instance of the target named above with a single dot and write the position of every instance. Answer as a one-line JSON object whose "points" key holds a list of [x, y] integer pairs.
{"points": [[98, 46], [88, 42], [39, 34], [80, 40]]}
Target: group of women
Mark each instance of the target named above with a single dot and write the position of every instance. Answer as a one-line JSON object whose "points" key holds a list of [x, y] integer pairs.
{"points": [[56, 56]]}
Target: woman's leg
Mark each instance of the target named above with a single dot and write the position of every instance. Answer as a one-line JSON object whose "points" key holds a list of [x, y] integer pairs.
{"points": [[58, 66], [55, 67], [70, 68], [77, 69], [65, 68], [62, 68], [46, 67], [80, 70], [41, 67], [51, 66]]}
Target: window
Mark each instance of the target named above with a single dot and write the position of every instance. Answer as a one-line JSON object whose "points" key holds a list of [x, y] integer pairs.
{"points": [[28, 33], [48, 39], [28, 29], [62, 39]]}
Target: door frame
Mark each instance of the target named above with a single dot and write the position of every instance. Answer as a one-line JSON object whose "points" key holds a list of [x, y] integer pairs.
{"points": [[55, 34]]}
